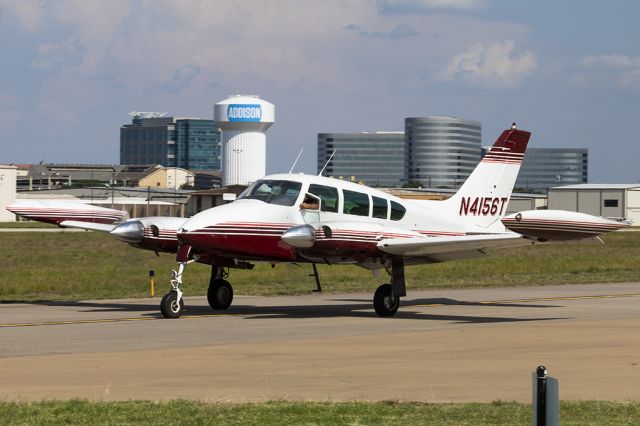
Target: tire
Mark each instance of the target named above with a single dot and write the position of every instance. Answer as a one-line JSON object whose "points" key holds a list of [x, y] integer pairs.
{"points": [[383, 301], [220, 294], [168, 306]]}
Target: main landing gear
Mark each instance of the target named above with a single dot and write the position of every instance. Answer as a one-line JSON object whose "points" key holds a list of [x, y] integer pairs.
{"points": [[220, 293], [386, 299]]}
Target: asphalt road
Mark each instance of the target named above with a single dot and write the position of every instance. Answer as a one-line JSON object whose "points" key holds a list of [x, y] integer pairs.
{"points": [[445, 345]]}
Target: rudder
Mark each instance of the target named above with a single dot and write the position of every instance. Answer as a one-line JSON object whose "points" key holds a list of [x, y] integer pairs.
{"points": [[482, 199]]}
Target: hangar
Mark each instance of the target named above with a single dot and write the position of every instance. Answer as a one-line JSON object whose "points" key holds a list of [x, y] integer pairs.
{"points": [[606, 200], [7, 191]]}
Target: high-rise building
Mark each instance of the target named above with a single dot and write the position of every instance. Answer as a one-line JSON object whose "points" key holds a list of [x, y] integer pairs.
{"points": [[441, 151], [543, 168], [189, 143], [377, 158]]}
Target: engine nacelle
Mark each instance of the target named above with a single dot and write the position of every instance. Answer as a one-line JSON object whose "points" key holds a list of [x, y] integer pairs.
{"points": [[152, 233]]}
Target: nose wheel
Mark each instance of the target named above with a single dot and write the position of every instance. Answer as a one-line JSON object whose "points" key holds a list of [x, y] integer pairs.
{"points": [[170, 306]]}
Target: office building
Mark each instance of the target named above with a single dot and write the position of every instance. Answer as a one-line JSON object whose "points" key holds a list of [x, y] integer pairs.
{"points": [[188, 143], [441, 151], [543, 168], [376, 158]]}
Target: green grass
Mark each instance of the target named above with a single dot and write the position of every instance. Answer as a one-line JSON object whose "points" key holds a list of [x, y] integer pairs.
{"points": [[308, 413], [88, 265], [26, 224]]}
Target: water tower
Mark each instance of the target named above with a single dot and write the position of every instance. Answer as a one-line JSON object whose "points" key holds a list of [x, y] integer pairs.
{"points": [[243, 120]]}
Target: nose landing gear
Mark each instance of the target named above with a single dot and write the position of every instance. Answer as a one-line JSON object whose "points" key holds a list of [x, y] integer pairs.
{"points": [[172, 304]]}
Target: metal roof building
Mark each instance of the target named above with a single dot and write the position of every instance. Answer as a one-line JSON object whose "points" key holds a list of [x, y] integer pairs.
{"points": [[606, 200]]}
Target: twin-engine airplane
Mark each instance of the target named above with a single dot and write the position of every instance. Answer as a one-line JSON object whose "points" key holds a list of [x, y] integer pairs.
{"points": [[314, 219]]}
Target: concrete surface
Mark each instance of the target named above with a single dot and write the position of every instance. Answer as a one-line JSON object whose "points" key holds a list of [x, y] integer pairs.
{"points": [[445, 345]]}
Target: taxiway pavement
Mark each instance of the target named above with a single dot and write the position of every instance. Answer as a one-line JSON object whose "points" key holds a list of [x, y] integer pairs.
{"points": [[443, 345]]}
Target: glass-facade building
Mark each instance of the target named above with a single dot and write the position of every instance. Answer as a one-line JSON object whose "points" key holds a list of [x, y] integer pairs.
{"points": [[543, 168], [375, 158], [441, 151], [189, 143]]}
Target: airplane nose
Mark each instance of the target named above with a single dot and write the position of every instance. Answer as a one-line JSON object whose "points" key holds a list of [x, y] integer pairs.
{"points": [[129, 232]]}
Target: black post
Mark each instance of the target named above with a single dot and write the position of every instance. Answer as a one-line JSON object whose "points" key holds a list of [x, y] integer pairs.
{"points": [[541, 393]]}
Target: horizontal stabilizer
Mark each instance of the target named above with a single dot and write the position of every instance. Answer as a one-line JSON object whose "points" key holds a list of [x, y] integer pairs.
{"points": [[89, 226]]}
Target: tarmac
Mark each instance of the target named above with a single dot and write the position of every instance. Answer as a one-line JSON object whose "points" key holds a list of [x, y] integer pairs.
{"points": [[442, 346]]}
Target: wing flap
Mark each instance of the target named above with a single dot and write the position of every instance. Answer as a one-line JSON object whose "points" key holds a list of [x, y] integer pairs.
{"points": [[430, 246], [89, 226]]}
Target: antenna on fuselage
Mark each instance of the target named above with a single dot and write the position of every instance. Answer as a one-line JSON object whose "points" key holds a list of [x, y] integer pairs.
{"points": [[296, 162], [327, 163]]}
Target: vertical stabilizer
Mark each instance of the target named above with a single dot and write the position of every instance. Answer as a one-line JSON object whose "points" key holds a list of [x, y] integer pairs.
{"points": [[482, 200]]}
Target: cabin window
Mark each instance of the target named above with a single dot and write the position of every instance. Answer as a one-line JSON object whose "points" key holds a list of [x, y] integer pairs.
{"points": [[397, 211], [328, 197], [380, 207], [356, 203], [279, 192], [611, 203]]}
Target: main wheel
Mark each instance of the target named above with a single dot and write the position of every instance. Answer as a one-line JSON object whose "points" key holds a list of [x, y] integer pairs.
{"points": [[384, 302], [169, 306], [220, 294]]}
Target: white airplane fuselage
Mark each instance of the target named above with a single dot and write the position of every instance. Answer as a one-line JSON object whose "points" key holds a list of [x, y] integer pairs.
{"points": [[345, 230]]}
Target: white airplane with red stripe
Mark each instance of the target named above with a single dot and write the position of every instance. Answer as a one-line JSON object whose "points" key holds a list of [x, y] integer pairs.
{"points": [[314, 219]]}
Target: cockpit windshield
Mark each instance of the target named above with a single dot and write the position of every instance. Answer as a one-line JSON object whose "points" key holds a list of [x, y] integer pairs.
{"points": [[280, 192]]}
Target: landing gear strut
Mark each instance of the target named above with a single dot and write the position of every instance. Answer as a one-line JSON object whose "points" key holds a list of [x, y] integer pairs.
{"points": [[317, 277], [172, 304], [220, 293], [386, 299]]}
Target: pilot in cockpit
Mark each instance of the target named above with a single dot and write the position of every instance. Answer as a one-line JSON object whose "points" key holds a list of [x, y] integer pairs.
{"points": [[310, 203]]}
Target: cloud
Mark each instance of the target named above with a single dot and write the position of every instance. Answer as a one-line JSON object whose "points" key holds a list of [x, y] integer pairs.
{"points": [[56, 56], [399, 31], [615, 61], [415, 7], [493, 65], [624, 70], [180, 56], [26, 14], [182, 77]]}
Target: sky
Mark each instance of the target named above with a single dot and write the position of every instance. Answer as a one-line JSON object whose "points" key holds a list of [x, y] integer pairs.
{"points": [[568, 71]]}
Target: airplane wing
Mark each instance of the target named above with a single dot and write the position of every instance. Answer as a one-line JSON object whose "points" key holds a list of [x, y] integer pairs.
{"points": [[452, 247], [89, 226]]}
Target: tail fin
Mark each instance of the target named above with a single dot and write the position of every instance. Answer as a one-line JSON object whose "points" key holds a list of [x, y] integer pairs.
{"points": [[482, 200]]}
